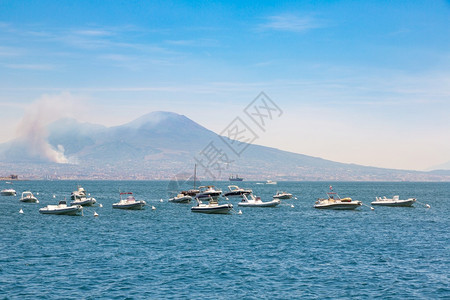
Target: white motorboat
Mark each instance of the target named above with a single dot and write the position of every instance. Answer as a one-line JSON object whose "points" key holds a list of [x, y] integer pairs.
{"points": [[79, 193], [83, 201], [271, 182], [395, 201], [181, 198], [8, 192], [62, 209], [282, 195], [235, 191], [335, 202], [79, 197], [212, 207], [250, 200], [205, 192], [28, 197], [129, 202]]}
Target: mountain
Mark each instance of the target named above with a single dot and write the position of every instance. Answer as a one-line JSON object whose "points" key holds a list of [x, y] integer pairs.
{"points": [[444, 166], [161, 145]]}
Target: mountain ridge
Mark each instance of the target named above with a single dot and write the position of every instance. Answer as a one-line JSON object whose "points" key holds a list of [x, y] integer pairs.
{"points": [[160, 145]]}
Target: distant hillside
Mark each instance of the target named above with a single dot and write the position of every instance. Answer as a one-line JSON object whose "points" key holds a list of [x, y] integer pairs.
{"points": [[160, 145], [444, 166]]}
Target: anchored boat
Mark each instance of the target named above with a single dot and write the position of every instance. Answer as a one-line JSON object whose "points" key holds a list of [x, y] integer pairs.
{"points": [[28, 197], [212, 207], [62, 209], [282, 195], [235, 191], [129, 202], [395, 201], [250, 200], [187, 196], [209, 191], [79, 197], [335, 202], [8, 192], [181, 198]]}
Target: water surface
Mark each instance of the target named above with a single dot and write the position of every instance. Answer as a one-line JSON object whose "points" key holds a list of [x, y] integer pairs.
{"points": [[265, 253]]}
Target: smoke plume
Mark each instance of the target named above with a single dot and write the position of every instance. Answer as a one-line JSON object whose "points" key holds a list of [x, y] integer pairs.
{"points": [[32, 128]]}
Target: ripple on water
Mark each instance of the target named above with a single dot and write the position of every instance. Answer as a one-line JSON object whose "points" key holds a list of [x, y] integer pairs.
{"points": [[272, 253]]}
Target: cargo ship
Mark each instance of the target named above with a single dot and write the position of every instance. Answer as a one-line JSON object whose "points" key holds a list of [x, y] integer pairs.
{"points": [[235, 178]]}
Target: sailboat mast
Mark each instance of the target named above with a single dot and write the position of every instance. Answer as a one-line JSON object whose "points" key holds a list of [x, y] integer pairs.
{"points": [[195, 174]]}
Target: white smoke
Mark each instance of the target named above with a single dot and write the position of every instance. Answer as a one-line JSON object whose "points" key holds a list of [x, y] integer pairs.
{"points": [[32, 128]]}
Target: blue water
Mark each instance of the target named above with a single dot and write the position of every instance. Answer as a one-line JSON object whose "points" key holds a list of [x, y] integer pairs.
{"points": [[265, 253]]}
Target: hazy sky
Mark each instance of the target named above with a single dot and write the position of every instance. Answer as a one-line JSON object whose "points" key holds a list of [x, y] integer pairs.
{"points": [[365, 82]]}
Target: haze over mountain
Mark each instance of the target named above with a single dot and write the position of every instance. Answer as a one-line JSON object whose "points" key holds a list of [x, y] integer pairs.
{"points": [[161, 145], [444, 166]]}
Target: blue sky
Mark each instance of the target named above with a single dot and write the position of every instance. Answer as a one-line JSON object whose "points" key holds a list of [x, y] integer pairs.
{"points": [[367, 83]]}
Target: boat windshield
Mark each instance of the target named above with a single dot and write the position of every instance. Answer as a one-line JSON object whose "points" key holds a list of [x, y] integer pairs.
{"points": [[333, 195]]}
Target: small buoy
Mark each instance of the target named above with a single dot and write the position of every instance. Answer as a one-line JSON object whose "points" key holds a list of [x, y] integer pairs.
{"points": [[153, 207], [37, 201], [295, 198], [54, 196], [371, 208], [37, 193], [428, 205], [21, 211], [95, 214], [292, 205], [240, 212], [161, 200], [100, 205]]}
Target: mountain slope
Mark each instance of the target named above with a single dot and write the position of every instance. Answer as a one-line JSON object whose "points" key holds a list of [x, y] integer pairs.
{"points": [[160, 145]]}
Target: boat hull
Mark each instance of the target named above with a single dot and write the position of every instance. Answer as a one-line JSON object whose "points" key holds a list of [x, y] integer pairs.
{"points": [[207, 195], [219, 209], [398, 203], [130, 206], [70, 211], [85, 202], [339, 206], [8, 193], [272, 203], [283, 197], [185, 199], [235, 194], [29, 200]]}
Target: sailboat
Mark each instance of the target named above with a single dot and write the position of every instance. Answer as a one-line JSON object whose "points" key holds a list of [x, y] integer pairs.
{"points": [[186, 196]]}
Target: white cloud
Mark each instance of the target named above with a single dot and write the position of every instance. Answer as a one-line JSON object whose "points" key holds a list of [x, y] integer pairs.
{"points": [[10, 51], [36, 67], [290, 22], [93, 32]]}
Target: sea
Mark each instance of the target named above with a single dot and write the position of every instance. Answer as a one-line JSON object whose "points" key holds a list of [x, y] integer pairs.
{"points": [[292, 251]]}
